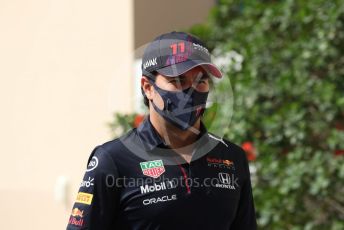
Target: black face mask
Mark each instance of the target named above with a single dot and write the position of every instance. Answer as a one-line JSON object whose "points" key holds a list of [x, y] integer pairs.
{"points": [[181, 108]]}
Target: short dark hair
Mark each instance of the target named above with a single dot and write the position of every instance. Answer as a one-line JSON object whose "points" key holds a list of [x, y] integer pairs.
{"points": [[152, 77]]}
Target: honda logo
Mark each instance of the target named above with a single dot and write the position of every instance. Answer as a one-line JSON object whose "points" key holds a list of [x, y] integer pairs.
{"points": [[225, 178]]}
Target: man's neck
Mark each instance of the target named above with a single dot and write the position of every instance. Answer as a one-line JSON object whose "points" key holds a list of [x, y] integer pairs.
{"points": [[174, 137]]}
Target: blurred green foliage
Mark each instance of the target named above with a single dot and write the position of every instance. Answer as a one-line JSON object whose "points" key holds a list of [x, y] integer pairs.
{"points": [[122, 123], [289, 101]]}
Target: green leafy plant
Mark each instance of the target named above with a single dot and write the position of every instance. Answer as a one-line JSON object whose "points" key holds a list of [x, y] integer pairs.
{"points": [[122, 123], [289, 102]]}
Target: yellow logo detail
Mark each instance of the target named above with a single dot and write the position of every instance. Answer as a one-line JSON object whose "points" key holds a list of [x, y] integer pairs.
{"points": [[84, 198]]}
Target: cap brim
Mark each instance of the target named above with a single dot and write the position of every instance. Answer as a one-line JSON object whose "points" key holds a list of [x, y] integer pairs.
{"points": [[182, 67]]}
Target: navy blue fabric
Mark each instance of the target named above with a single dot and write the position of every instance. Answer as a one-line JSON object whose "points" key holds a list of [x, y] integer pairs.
{"points": [[183, 200], [181, 107]]}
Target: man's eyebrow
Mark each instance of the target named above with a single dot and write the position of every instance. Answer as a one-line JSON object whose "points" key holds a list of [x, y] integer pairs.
{"points": [[176, 77], [205, 75]]}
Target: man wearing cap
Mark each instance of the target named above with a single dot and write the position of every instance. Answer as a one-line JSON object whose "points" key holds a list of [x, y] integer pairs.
{"points": [[170, 172]]}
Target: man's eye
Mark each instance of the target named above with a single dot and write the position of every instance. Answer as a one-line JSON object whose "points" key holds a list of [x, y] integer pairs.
{"points": [[203, 81]]}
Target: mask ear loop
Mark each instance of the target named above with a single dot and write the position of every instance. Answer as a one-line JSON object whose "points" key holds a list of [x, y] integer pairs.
{"points": [[167, 103], [151, 78]]}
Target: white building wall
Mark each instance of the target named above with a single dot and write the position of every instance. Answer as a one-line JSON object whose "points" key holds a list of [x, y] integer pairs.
{"points": [[66, 66]]}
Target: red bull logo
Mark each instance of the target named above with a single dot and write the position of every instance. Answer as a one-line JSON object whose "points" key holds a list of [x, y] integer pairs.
{"points": [[76, 217], [220, 163], [75, 221], [77, 213], [227, 162]]}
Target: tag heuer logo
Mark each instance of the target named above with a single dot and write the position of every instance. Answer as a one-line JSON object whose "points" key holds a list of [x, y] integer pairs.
{"points": [[152, 168]]}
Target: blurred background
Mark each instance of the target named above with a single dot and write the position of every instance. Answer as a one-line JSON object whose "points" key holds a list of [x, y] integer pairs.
{"points": [[70, 75]]}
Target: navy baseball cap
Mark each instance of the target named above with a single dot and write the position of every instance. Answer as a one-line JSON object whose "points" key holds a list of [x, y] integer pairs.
{"points": [[175, 53]]}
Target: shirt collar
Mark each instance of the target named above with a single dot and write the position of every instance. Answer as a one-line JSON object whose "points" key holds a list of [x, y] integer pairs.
{"points": [[151, 139]]}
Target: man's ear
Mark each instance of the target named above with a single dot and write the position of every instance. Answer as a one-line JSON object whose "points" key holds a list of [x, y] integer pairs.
{"points": [[147, 87]]}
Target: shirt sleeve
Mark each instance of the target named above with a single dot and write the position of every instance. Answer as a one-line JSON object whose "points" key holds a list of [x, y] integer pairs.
{"points": [[96, 204], [245, 218]]}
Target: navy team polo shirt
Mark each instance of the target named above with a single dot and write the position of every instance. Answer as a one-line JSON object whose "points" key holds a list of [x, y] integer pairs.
{"points": [[138, 182]]}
